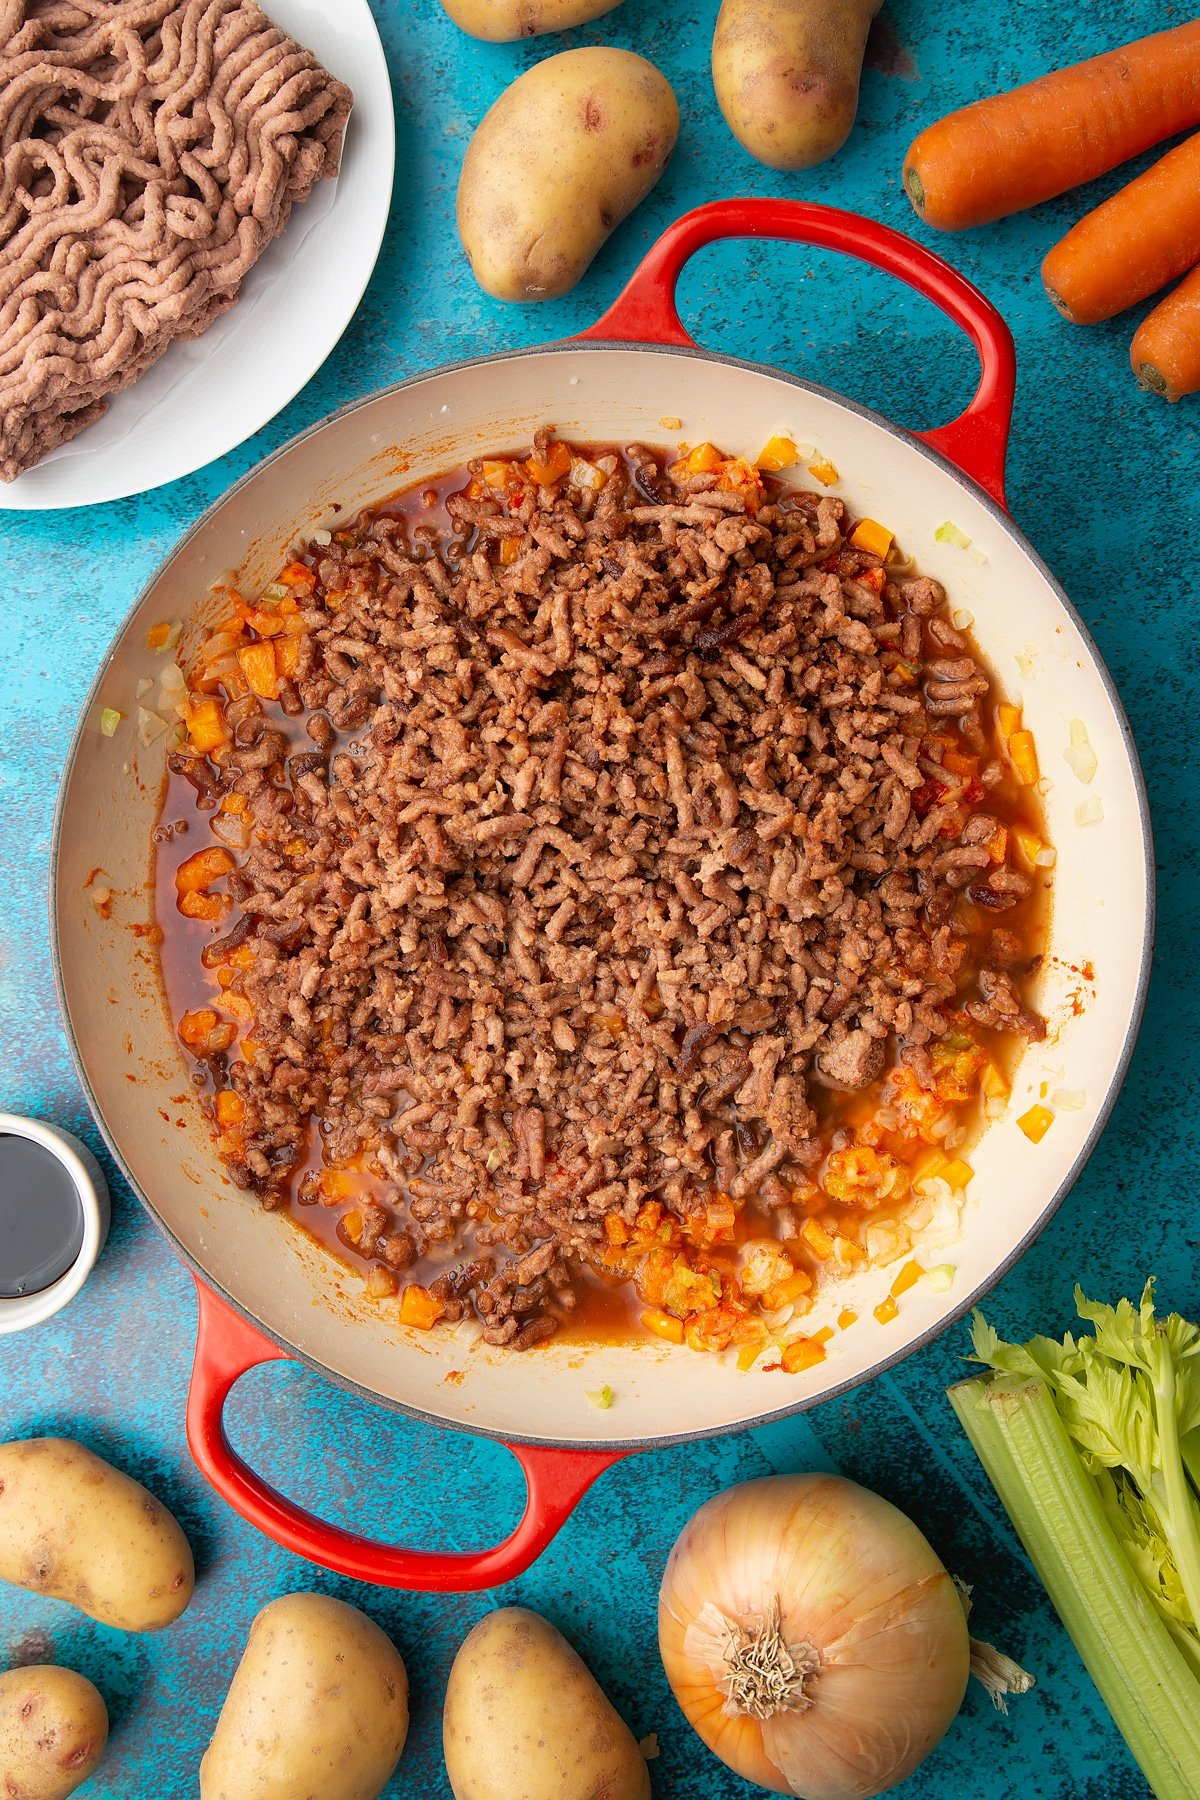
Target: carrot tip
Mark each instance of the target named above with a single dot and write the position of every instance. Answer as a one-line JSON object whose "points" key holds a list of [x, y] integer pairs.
{"points": [[914, 187], [1152, 380]]}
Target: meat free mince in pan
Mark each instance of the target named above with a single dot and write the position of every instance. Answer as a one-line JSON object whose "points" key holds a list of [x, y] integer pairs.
{"points": [[602, 888]]}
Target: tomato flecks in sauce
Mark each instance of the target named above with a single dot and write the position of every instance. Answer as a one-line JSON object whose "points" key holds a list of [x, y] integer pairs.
{"points": [[729, 1276]]}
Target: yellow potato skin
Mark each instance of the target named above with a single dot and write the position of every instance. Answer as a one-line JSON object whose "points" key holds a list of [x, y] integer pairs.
{"points": [[525, 1720], [75, 1528], [786, 75], [562, 157], [500, 21], [317, 1708], [53, 1732]]}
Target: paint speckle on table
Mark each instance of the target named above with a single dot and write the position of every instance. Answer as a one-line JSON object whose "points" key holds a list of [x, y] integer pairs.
{"points": [[1102, 479]]}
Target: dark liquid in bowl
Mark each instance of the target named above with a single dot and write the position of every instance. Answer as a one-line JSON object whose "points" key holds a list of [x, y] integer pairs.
{"points": [[41, 1219]]}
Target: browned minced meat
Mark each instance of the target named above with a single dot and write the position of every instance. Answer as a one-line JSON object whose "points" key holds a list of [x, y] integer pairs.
{"points": [[621, 846]]}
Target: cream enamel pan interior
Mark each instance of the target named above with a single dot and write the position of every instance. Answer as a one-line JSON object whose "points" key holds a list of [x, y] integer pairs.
{"points": [[1091, 990]]}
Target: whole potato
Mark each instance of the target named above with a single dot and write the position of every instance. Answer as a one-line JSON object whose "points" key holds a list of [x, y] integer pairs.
{"points": [[53, 1730], [562, 157], [499, 21], [786, 74], [318, 1706], [75, 1528], [525, 1720]]}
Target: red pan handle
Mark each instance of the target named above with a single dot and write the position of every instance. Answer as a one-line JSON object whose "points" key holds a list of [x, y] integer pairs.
{"points": [[227, 1347], [976, 441]]}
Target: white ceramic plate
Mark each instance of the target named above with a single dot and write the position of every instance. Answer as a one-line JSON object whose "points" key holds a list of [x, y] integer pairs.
{"points": [[206, 397]]}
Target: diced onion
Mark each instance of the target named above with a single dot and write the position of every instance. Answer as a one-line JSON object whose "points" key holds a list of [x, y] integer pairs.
{"points": [[1046, 857], [469, 1331], [110, 718], [100, 897], [149, 726], [232, 829], [602, 1398], [976, 554], [322, 537], [670, 423], [1079, 752], [963, 620], [586, 475], [143, 687], [1090, 811], [940, 1279], [1027, 663], [1069, 1099], [949, 533]]}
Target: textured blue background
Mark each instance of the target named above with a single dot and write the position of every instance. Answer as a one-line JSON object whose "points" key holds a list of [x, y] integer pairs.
{"points": [[1104, 481]]}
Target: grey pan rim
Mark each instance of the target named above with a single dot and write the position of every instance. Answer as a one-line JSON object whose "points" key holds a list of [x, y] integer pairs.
{"points": [[962, 1306]]}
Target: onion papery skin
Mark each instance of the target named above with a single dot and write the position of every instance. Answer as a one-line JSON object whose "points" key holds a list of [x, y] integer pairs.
{"points": [[857, 1581]]}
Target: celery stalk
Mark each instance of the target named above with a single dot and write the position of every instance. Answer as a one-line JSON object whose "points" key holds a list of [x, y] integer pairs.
{"points": [[1147, 1684]]}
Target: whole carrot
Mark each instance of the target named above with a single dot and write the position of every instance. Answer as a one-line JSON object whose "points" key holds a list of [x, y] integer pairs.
{"points": [[1016, 149], [1165, 352], [1135, 243]]}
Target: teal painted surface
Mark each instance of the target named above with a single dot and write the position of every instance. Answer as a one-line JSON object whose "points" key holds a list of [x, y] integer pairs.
{"points": [[1104, 482]]}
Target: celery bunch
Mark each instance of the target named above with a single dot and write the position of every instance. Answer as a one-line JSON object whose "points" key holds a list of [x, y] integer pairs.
{"points": [[1093, 1445]]}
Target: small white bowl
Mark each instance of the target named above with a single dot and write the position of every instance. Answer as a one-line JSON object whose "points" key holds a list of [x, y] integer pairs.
{"points": [[88, 1180]]}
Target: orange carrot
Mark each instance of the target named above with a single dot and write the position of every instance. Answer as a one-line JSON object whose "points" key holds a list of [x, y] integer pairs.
{"points": [[1165, 352], [1135, 243], [1016, 149]]}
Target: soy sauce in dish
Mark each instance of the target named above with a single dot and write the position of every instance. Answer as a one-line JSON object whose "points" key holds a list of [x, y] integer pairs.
{"points": [[41, 1218]]}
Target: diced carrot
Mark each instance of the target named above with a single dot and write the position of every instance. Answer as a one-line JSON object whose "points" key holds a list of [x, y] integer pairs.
{"points": [[200, 871], [663, 1324], [817, 1238], [958, 764], [1028, 845], [958, 1173], [210, 907], [846, 1318], [497, 474], [336, 1185], [234, 803], [1036, 1123], [230, 1107], [786, 1293], [886, 1311], [616, 1230], [777, 453], [870, 535], [299, 576], [257, 663], [823, 471], [242, 957], [993, 1083], [702, 460], [997, 844], [205, 1031], [1023, 753], [510, 552], [558, 462], [418, 1307], [157, 636], [847, 1251], [908, 1277], [1008, 719], [802, 1353], [206, 726], [238, 1007]]}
